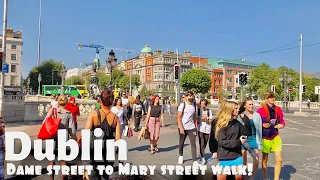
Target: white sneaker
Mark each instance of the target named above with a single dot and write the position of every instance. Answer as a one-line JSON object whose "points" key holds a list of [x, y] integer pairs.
{"points": [[180, 160], [203, 162], [195, 163]]}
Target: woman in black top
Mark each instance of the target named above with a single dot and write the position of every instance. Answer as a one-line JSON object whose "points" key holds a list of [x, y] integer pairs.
{"points": [[153, 123], [230, 134], [109, 123]]}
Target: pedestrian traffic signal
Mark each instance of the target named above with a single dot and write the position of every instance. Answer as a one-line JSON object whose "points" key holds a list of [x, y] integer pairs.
{"points": [[176, 71], [1, 63], [303, 88], [273, 88], [243, 79]]}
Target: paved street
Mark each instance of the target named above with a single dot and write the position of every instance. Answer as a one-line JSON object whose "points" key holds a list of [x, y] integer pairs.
{"points": [[301, 142]]}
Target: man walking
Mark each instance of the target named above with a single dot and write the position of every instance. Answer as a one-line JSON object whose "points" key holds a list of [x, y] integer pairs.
{"points": [[272, 120], [187, 124]]}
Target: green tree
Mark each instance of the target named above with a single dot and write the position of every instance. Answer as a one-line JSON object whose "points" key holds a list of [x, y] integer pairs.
{"points": [[124, 82], [135, 80], [196, 80], [222, 93], [116, 76], [50, 71], [74, 80], [261, 79], [310, 84]]}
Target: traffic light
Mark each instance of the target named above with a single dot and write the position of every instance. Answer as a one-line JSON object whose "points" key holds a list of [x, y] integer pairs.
{"points": [[303, 88], [176, 71], [243, 79], [273, 88], [1, 61]]}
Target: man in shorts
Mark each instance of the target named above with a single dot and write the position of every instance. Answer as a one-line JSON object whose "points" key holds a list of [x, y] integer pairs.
{"points": [[272, 120]]}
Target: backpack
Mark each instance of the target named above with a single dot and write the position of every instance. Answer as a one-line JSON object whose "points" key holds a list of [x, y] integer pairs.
{"points": [[208, 112], [184, 106]]}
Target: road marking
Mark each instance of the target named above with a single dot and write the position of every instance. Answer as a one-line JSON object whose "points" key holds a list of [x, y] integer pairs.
{"points": [[316, 132], [313, 158], [291, 144], [310, 135], [294, 122], [292, 128]]}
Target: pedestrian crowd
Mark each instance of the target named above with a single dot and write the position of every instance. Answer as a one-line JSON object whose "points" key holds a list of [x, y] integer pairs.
{"points": [[234, 131]]}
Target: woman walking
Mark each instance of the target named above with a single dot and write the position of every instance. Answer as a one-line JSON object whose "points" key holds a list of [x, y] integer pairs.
{"points": [[255, 140], [121, 112], [153, 123], [109, 123], [205, 120], [74, 109], [67, 123], [230, 135], [137, 113]]}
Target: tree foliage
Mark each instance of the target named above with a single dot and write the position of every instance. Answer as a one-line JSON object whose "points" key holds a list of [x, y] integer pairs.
{"points": [[262, 77], [50, 71], [74, 80], [124, 82], [136, 80], [196, 80]]}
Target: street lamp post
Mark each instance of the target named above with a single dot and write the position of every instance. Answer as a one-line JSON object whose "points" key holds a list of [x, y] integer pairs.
{"points": [[39, 81], [111, 63], [63, 75], [28, 85], [285, 78]]}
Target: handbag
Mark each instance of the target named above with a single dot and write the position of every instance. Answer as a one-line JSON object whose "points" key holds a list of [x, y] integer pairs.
{"points": [[130, 132], [50, 126], [146, 133]]}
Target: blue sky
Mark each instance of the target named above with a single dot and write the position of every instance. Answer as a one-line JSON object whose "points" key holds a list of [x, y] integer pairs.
{"points": [[207, 27]]}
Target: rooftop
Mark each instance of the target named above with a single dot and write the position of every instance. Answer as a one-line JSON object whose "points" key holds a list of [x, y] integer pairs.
{"points": [[216, 62], [146, 49]]}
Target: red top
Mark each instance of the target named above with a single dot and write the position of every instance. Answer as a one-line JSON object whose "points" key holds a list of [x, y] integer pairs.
{"points": [[74, 109]]}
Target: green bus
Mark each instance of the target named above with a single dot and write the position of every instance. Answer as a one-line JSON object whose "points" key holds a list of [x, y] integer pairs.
{"points": [[71, 90]]}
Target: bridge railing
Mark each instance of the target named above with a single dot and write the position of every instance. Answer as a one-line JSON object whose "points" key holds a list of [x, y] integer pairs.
{"points": [[13, 98]]}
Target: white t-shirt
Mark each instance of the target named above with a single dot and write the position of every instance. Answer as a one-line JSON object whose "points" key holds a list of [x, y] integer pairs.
{"points": [[188, 115], [119, 113], [54, 104], [203, 126], [125, 101]]}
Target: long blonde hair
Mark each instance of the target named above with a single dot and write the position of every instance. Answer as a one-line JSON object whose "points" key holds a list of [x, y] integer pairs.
{"points": [[224, 115]]}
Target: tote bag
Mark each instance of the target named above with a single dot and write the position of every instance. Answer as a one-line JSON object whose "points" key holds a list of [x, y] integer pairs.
{"points": [[50, 126]]}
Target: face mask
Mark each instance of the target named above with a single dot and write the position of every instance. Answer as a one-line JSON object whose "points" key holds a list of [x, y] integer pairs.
{"points": [[190, 99]]}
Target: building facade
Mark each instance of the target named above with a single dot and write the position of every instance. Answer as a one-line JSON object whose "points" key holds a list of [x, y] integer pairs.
{"points": [[156, 68], [75, 72], [13, 79], [231, 70]]}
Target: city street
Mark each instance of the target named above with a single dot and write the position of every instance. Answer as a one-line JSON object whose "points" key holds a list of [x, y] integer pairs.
{"points": [[301, 142]]}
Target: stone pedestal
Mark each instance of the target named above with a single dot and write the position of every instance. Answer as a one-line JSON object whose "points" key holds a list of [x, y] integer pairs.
{"points": [[94, 85]]}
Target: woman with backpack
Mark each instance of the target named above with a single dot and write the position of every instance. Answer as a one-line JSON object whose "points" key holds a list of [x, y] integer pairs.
{"points": [[109, 123], [204, 127]]}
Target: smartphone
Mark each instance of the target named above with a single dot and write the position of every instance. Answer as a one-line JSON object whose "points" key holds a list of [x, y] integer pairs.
{"points": [[273, 121]]}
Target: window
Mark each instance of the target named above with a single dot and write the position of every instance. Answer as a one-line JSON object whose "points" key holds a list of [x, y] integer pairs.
{"points": [[229, 88], [155, 76], [13, 68], [13, 80], [0, 45], [229, 72], [229, 80], [13, 57], [13, 46]]}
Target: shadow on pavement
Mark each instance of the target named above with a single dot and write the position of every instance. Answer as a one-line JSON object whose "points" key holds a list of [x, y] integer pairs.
{"points": [[146, 148], [286, 172]]}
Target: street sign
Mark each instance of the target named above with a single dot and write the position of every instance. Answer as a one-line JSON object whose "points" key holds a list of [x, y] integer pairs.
{"points": [[290, 89], [5, 68], [317, 89]]}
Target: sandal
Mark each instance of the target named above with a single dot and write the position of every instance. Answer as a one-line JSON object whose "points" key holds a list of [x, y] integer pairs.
{"points": [[152, 151], [156, 149]]}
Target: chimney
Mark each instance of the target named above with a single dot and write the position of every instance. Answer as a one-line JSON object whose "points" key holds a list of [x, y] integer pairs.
{"points": [[187, 54], [158, 52]]}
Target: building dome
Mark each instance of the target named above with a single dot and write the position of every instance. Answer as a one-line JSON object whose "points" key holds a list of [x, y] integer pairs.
{"points": [[146, 49]]}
